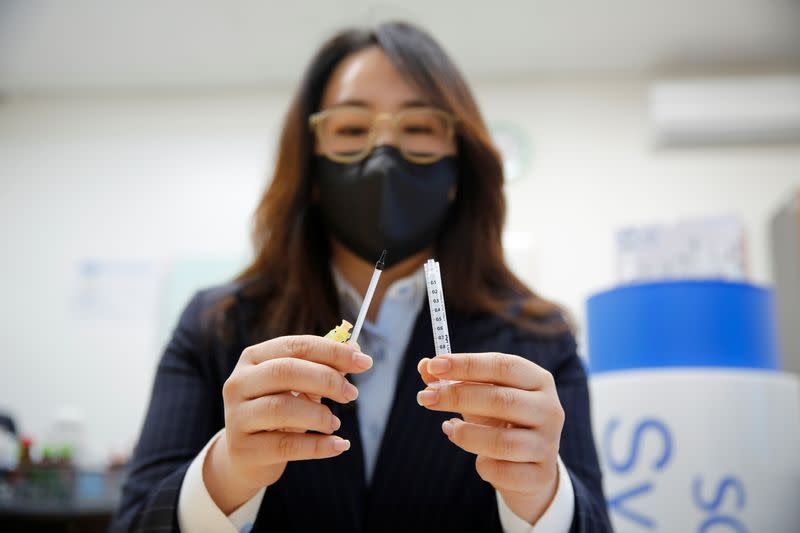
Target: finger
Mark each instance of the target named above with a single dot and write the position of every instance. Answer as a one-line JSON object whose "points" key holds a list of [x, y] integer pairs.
{"points": [[497, 368], [523, 408], [422, 368], [515, 444], [276, 411], [511, 476], [354, 345], [344, 357], [272, 447], [289, 374]]}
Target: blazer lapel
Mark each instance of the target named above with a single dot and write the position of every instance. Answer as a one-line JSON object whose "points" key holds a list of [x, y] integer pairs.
{"points": [[336, 486]]}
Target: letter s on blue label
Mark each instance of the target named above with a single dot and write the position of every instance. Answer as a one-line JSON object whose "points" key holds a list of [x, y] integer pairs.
{"points": [[728, 482], [648, 424]]}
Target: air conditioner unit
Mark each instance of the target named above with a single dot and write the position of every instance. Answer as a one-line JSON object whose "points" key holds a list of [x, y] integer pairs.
{"points": [[725, 110]]}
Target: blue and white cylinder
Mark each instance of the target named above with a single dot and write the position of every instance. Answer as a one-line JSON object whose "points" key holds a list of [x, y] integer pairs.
{"points": [[697, 429]]}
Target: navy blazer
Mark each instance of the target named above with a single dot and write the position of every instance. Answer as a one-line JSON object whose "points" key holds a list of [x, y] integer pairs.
{"points": [[421, 482]]}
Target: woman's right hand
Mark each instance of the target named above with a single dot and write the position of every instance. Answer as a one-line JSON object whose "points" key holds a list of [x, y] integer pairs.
{"points": [[259, 408]]}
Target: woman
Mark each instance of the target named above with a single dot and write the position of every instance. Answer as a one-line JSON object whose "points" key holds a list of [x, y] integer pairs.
{"points": [[383, 147]]}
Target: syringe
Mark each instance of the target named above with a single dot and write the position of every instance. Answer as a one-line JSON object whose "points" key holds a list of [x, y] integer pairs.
{"points": [[376, 274], [441, 335], [362, 313]]}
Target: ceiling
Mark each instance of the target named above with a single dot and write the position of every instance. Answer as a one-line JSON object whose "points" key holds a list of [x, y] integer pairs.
{"points": [[180, 44]]}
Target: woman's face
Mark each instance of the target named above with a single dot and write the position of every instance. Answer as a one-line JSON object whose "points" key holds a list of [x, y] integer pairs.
{"points": [[368, 79]]}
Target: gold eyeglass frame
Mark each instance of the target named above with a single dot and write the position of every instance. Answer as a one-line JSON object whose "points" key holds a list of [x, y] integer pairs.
{"points": [[315, 120]]}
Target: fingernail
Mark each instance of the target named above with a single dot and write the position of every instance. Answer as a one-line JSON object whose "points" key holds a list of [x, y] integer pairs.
{"points": [[439, 366], [350, 392], [362, 360], [427, 397], [336, 423], [447, 427], [341, 445]]}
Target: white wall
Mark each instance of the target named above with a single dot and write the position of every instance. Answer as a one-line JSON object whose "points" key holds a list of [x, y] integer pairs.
{"points": [[160, 178]]}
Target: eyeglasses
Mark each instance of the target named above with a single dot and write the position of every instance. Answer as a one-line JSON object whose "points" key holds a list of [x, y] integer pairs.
{"points": [[347, 134]]}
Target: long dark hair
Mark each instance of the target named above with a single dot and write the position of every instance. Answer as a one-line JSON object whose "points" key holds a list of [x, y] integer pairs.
{"points": [[290, 274]]}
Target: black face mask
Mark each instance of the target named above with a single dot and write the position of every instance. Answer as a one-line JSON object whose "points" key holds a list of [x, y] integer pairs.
{"points": [[385, 202]]}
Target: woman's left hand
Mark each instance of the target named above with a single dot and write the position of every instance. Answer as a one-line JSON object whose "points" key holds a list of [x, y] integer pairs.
{"points": [[512, 422]]}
